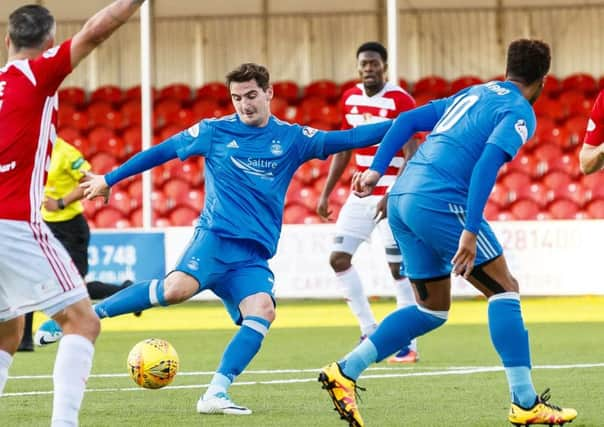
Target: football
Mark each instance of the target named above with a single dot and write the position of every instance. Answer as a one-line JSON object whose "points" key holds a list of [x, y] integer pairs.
{"points": [[153, 363]]}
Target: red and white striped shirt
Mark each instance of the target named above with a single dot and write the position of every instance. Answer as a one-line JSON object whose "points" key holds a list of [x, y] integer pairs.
{"points": [[360, 109], [28, 114]]}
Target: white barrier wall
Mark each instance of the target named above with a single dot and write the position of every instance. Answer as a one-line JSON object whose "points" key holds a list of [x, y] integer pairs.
{"points": [[547, 258]]}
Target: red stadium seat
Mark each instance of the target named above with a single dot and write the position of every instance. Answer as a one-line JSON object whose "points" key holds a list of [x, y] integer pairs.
{"points": [[165, 112], [123, 223], [189, 171], [308, 172], [576, 127], [162, 222], [135, 191], [83, 145], [552, 86], [326, 113], [548, 107], [563, 209], [160, 203], [214, 91], [295, 213], [180, 92], [136, 217], [500, 195], [324, 89], [103, 163], [195, 200], [526, 164], [134, 94], [556, 179], [176, 190], [403, 84], [576, 103], [69, 134], [107, 217], [99, 135], [514, 180], [75, 96], [305, 196], [547, 154], [204, 108], [131, 112], [595, 209], [287, 90], [536, 192], [491, 211], [525, 209], [109, 93], [464, 82], [568, 163], [435, 86], [279, 107], [168, 131], [114, 146], [505, 216], [120, 200], [132, 137], [574, 192], [66, 110], [580, 81], [183, 216], [76, 119], [545, 127], [349, 84]]}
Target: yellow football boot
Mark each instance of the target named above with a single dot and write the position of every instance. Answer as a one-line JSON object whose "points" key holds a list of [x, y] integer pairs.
{"points": [[342, 391], [541, 413]]}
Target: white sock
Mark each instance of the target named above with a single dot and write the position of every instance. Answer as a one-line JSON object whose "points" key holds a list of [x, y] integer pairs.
{"points": [[219, 384], [405, 297], [351, 285], [72, 368], [5, 362]]}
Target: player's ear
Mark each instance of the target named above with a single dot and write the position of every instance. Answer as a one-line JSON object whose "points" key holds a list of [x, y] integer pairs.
{"points": [[7, 42], [269, 92]]}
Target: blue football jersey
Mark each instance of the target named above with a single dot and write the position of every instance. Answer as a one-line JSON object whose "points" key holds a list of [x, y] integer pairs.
{"points": [[490, 113], [247, 172]]}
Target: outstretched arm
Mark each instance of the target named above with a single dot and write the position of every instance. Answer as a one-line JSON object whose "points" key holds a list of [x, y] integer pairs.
{"points": [[154, 156], [591, 158], [98, 28]]}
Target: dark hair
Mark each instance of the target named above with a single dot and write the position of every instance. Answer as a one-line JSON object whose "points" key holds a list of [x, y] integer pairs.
{"points": [[528, 60], [249, 71], [374, 47], [29, 26]]}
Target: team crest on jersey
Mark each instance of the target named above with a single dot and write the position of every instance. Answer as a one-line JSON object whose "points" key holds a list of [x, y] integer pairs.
{"points": [[308, 131], [194, 130], [591, 125], [51, 52], [521, 130], [383, 112], [276, 147]]}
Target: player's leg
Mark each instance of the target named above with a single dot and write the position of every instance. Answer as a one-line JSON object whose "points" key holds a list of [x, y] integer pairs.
{"points": [[401, 326], [509, 335], [403, 289], [10, 337], [248, 296], [354, 226], [27, 342]]}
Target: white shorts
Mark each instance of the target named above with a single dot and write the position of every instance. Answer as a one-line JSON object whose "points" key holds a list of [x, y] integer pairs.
{"points": [[36, 272], [355, 224]]}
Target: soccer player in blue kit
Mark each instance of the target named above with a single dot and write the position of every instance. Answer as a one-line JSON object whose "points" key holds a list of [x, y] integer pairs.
{"points": [[250, 159], [435, 210]]}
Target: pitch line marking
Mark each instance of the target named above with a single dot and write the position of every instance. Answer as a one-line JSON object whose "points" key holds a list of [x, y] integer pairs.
{"points": [[469, 370]]}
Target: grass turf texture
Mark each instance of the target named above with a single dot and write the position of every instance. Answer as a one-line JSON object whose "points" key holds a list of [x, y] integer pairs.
{"points": [[566, 336]]}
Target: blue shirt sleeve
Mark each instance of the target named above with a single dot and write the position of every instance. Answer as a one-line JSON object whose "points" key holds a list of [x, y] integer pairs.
{"points": [[513, 130], [406, 124], [314, 143], [143, 161], [195, 141], [483, 178]]}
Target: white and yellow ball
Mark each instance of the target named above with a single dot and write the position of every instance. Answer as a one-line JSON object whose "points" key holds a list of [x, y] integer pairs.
{"points": [[153, 363]]}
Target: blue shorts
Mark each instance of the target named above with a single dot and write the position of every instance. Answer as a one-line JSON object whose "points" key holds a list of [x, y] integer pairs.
{"points": [[231, 268], [427, 232]]}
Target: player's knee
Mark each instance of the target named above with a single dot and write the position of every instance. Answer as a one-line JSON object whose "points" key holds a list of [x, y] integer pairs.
{"points": [[178, 287], [340, 261], [85, 323], [259, 305]]}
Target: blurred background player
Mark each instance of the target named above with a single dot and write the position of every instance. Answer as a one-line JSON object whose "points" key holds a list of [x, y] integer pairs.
{"points": [[250, 159], [36, 272], [591, 156], [436, 214], [371, 101], [63, 211]]}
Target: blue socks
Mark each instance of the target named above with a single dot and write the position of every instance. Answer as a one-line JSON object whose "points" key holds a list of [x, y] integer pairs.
{"points": [[510, 339], [395, 332], [242, 348], [137, 297]]}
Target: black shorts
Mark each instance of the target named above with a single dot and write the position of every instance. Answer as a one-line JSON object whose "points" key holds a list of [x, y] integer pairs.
{"points": [[74, 234]]}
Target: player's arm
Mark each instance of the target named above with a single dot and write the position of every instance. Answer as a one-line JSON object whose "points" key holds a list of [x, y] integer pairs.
{"points": [[98, 185], [406, 124], [338, 165], [591, 156], [98, 28], [76, 194]]}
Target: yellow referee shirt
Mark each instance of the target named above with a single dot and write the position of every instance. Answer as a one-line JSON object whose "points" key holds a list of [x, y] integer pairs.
{"points": [[67, 167]]}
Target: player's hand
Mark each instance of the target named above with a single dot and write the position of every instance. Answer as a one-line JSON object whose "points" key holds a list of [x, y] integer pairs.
{"points": [[363, 183], [463, 261], [51, 205], [381, 210], [95, 186], [323, 209]]}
